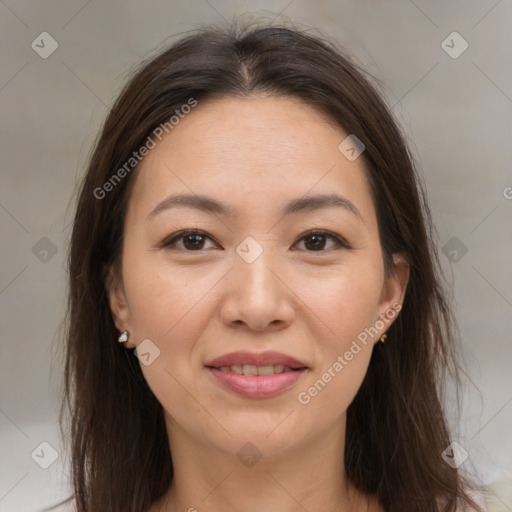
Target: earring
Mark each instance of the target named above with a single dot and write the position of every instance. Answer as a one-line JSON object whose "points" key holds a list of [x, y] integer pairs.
{"points": [[383, 337], [123, 338]]}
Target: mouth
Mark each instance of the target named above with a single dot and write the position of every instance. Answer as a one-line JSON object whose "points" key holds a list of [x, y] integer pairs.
{"points": [[254, 370], [256, 375]]}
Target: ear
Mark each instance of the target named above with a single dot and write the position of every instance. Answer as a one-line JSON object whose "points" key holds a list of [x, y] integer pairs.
{"points": [[118, 303], [393, 291]]}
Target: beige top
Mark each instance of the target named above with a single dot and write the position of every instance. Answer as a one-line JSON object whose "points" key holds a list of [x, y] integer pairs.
{"points": [[498, 494]]}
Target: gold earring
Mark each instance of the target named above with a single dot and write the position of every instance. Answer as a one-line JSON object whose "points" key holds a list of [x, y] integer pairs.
{"points": [[383, 337], [123, 338]]}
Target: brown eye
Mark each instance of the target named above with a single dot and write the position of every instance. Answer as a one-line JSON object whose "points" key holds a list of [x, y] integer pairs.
{"points": [[186, 241], [193, 241], [316, 241]]}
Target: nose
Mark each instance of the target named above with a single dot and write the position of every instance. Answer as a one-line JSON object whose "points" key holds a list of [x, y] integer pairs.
{"points": [[257, 297]]}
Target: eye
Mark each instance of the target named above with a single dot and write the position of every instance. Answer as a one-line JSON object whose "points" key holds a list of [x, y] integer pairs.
{"points": [[191, 240], [187, 240], [316, 241]]}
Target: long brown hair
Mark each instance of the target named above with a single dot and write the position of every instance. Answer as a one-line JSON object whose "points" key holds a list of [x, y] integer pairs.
{"points": [[396, 425]]}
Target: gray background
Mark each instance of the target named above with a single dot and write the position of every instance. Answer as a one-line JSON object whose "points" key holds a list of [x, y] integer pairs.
{"points": [[456, 113]]}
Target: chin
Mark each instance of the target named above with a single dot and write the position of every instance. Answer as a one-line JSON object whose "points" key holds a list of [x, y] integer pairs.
{"points": [[267, 433]]}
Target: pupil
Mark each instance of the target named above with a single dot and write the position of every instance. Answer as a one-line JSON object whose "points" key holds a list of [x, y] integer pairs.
{"points": [[319, 241], [196, 241]]}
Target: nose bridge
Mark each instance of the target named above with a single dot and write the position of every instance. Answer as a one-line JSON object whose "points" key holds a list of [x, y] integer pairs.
{"points": [[255, 295], [252, 260], [253, 276]]}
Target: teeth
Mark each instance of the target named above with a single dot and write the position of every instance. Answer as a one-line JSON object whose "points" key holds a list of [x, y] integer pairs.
{"points": [[266, 370], [250, 369], [253, 370]]}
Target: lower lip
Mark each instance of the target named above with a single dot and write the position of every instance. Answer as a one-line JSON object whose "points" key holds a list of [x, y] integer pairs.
{"points": [[257, 386]]}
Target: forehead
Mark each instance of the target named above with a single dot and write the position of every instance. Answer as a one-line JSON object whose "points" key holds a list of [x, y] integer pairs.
{"points": [[256, 151]]}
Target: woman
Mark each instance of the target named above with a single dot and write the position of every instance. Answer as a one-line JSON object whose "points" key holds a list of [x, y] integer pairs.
{"points": [[257, 318]]}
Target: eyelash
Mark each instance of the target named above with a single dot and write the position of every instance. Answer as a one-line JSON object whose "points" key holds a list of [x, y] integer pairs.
{"points": [[170, 242]]}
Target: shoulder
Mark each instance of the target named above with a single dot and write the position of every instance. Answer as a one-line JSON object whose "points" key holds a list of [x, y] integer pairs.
{"points": [[498, 494], [495, 496]]}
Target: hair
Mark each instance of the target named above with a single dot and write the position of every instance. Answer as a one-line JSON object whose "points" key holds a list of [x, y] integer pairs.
{"points": [[396, 424]]}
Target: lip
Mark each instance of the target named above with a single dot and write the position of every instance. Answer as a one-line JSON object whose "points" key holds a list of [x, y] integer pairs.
{"points": [[261, 359], [252, 386]]}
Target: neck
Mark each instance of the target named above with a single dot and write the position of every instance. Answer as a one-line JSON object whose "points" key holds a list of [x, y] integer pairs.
{"points": [[307, 477]]}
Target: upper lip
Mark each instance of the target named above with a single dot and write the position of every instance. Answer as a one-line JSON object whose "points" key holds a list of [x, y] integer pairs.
{"points": [[252, 358]]}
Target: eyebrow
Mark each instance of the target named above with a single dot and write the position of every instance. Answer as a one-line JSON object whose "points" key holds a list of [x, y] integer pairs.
{"points": [[297, 206]]}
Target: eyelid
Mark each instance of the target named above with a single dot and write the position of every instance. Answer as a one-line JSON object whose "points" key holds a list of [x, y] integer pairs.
{"points": [[338, 239]]}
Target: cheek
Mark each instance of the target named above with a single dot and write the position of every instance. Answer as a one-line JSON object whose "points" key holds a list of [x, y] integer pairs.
{"points": [[344, 303], [331, 390], [164, 303], [345, 306], [171, 309]]}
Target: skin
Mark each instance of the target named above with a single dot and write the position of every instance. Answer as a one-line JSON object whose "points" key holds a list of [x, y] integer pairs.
{"points": [[254, 154]]}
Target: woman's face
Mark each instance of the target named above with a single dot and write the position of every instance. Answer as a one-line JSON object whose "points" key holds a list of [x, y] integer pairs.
{"points": [[261, 282]]}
